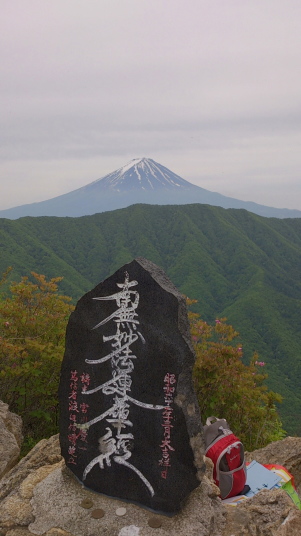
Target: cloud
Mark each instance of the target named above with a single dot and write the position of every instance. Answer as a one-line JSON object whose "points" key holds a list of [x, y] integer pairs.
{"points": [[209, 89]]}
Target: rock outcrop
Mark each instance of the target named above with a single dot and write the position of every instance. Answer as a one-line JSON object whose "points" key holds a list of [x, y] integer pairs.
{"points": [[16, 488], [41, 496], [269, 513], [10, 438], [46, 453]]}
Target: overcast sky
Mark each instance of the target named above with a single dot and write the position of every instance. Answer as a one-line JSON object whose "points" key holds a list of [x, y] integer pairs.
{"points": [[210, 89]]}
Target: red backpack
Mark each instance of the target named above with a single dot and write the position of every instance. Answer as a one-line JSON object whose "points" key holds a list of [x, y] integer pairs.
{"points": [[227, 453]]}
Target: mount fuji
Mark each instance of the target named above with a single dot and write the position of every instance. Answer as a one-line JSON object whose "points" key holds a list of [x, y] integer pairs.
{"points": [[140, 181]]}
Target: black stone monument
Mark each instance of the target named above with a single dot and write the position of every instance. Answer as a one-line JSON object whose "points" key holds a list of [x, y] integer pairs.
{"points": [[130, 426]]}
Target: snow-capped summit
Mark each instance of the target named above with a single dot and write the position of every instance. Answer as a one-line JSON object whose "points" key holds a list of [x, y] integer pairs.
{"points": [[141, 174], [142, 181]]}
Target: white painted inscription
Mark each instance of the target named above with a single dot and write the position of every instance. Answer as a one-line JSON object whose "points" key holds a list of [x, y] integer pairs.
{"points": [[117, 443]]}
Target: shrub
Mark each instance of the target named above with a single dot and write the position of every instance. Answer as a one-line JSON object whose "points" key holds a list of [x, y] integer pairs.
{"points": [[228, 388], [32, 339]]}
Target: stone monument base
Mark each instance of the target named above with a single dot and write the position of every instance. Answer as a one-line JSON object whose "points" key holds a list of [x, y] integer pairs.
{"points": [[60, 501]]}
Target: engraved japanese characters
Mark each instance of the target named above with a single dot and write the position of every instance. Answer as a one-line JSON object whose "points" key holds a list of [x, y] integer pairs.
{"points": [[125, 388]]}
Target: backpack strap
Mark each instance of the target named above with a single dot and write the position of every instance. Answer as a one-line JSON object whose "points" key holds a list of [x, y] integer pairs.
{"points": [[210, 420]]}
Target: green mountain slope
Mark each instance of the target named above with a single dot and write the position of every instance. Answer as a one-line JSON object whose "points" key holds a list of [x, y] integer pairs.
{"points": [[236, 264]]}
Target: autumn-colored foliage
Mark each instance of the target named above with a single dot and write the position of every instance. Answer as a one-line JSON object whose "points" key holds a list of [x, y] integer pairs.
{"points": [[32, 337], [33, 319], [227, 388]]}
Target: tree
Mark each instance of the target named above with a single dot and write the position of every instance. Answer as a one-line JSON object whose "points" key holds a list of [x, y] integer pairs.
{"points": [[32, 335], [228, 388]]}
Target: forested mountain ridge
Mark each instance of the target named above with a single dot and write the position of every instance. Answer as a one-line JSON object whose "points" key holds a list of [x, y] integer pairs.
{"points": [[235, 263]]}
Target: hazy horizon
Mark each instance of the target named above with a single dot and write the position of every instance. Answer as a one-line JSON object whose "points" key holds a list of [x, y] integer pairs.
{"points": [[209, 90]]}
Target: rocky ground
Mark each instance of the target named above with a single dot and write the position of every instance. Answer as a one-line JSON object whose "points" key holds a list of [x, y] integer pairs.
{"points": [[40, 496], [10, 438]]}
